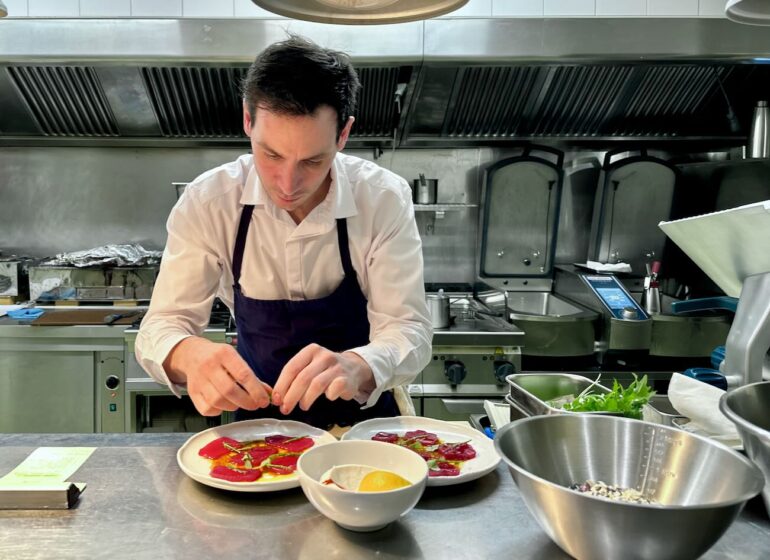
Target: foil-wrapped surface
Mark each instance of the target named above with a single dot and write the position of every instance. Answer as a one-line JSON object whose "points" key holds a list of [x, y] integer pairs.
{"points": [[107, 255]]}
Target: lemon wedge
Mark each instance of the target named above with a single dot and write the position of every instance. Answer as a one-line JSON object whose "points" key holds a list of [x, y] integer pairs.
{"points": [[381, 481]]}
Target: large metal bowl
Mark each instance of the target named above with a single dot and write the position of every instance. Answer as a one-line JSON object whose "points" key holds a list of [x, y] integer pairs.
{"points": [[749, 409], [700, 486]]}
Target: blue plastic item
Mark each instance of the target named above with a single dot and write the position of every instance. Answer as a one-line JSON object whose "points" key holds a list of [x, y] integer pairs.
{"points": [[26, 313], [717, 356], [488, 431], [705, 304], [709, 376]]}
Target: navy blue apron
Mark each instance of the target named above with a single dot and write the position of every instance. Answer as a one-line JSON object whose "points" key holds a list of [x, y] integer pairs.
{"points": [[271, 332]]}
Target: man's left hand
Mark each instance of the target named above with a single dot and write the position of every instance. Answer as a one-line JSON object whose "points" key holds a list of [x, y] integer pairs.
{"points": [[317, 371]]}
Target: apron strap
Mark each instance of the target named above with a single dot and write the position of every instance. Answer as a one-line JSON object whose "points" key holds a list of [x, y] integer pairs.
{"points": [[342, 239], [240, 244]]}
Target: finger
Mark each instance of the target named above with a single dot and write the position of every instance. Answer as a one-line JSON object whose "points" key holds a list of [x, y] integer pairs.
{"points": [[227, 394], [317, 387], [291, 370], [251, 392], [339, 389], [302, 382], [207, 399], [203, 407]]}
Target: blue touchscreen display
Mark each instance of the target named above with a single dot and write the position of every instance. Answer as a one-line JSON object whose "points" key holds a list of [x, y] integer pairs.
{"points": [[615, 298]]}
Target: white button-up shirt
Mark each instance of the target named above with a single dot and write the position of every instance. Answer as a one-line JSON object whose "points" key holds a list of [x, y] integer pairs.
{"points": [[284, 260]]}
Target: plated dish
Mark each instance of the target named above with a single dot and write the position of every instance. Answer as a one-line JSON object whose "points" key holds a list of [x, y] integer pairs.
{"points": [[199, 468], [485, 461]]}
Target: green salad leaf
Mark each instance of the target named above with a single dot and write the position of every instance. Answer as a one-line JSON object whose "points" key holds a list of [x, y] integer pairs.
{"points": [[626, 401]]}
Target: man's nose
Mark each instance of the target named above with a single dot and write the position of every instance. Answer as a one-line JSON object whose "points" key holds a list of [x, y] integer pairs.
{"points": [[289, 180]]}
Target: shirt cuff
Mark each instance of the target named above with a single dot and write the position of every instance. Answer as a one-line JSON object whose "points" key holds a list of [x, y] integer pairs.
{"points": [[381, 379], [154, 364]]}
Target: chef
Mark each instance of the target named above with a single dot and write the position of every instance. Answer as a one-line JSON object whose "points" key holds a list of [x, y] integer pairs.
{"points": [[316, 254]]}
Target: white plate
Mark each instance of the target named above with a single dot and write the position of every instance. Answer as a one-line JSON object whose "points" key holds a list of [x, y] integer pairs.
{"points": [[197, 467], [486, 459]]}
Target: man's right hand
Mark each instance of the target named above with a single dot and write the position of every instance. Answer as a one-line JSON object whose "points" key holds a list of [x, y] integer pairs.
{"points": [[216, 376]]}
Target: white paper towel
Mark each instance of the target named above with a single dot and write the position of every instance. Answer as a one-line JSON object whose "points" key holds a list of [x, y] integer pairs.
{"points": [[608, 267], [699, 401]]}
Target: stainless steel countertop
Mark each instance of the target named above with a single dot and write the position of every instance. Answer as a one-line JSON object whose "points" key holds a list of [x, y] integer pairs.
{"points": [[139, 504]]}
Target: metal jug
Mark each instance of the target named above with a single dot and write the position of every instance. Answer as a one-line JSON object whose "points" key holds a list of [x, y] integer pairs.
{"points": [[438, 305], [759, 138], [425, 190]]}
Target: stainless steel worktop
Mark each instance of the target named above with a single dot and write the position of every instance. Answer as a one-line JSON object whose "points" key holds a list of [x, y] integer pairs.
{"points": [[138, 504]]}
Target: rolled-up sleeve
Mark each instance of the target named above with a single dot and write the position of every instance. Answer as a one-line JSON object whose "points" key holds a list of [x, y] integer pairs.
{"points": [[184, 290], [400, 327]]}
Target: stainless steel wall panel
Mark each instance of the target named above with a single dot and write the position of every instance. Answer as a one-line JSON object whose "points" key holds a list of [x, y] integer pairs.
{"points": [[496, 41], [194, 40]]}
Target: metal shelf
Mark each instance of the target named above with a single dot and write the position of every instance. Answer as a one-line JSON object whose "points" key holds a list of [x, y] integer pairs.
{"points": [[442, 207]]}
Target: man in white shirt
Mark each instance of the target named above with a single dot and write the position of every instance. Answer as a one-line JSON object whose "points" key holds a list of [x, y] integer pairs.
{"points": [[316, 254]]}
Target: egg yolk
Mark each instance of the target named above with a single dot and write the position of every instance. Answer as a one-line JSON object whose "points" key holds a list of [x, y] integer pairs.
{"points": [[381, 481]]}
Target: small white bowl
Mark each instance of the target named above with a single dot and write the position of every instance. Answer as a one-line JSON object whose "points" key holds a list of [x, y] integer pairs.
{"points": [[362, 511]]}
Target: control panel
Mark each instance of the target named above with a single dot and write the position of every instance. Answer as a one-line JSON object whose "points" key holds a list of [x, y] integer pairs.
{"points": [[614, 298], [110, 373]]}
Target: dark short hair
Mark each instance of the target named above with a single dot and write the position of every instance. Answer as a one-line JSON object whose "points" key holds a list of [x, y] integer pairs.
{"points": [[296, 76]]}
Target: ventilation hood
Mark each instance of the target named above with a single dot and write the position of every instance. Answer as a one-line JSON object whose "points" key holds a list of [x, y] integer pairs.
{"points": [[442, 82]]}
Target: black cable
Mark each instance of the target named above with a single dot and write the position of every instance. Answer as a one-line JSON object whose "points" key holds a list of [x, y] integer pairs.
{"points": [[735, 126]]}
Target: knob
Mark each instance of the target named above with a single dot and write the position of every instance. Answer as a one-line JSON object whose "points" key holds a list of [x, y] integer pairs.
{"points": [[455, 372], [629, 313], [502, 370], [112, 382]]}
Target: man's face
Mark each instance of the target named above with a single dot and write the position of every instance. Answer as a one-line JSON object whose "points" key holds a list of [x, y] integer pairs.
{"points": [[293, 155]]}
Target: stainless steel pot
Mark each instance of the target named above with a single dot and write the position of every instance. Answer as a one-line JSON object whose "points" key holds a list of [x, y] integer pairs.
{"points": [[425, 190], [438, 305]]}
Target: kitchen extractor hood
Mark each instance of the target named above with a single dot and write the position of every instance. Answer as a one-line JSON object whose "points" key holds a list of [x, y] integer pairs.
{"points": [[360, 12], [450, 82]]}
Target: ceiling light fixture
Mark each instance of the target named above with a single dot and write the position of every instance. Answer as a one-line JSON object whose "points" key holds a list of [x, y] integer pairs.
{"points": [[754, 12], [360, 12], [3, 9]]}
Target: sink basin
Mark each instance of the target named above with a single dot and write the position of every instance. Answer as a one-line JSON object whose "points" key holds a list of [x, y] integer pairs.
{"points": [[691, 335], [552, 326], [544, 304]]}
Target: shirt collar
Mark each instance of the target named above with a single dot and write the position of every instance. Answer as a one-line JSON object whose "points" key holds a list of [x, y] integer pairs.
{"points": [[339, 202]]}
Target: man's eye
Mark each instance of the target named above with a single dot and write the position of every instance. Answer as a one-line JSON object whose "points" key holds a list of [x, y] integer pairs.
{"points": [[273, 156], [312, 162]]}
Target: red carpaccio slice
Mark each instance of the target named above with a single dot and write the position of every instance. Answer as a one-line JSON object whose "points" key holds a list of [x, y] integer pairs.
{"points": [[456, 451], [216, 448], [282, 464], [233, 475], [290, 444], [443, 469], [256, 455], [447, 458], [387, 437], [422, 437]]}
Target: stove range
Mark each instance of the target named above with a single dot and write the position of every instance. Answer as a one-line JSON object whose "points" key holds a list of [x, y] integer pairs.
{"points": [[471, 358]]}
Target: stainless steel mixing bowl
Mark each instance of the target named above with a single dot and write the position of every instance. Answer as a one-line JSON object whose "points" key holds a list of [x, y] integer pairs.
{"points": [[749, 409], [700, 486]]}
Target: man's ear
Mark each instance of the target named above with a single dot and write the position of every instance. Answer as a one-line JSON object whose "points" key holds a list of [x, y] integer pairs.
{"points": [[344, 134], [246, 120]]}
